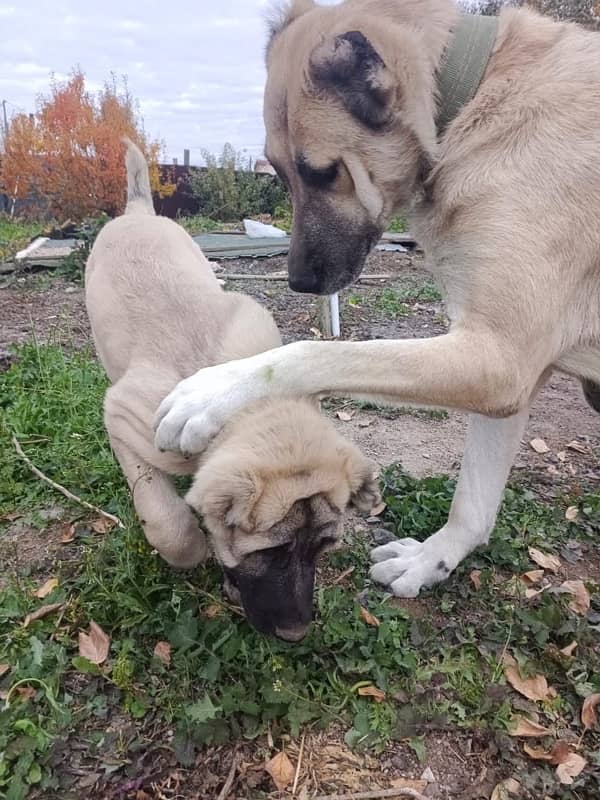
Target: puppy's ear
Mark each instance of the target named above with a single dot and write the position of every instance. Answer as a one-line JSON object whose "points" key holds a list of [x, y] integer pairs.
{"points": [[350, 66], [230, 497], [364, 483]]}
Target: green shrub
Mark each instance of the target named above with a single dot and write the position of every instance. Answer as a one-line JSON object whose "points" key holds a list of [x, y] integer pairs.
{"points": [[227, 190], [73, 265]]}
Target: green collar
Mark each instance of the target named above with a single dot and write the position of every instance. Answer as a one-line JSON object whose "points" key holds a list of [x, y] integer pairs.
{"points": [[463, 65]]}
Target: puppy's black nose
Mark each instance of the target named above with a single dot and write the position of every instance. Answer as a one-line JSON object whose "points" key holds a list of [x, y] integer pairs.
{"points": [[305, 284], [294, 634]]}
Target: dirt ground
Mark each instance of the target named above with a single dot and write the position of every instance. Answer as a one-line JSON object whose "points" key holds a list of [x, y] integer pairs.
{"points": [[460, 765]]}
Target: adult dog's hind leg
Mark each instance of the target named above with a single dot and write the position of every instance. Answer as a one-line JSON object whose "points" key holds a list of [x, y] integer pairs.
{"points": [[406, 565]]}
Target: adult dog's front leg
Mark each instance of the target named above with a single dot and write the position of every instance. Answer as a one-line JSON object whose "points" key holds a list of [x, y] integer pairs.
{"points": [[464, 369], [406, 565]]}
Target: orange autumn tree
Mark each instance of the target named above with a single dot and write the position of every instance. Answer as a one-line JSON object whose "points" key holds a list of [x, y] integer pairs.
{"points": [[70, 153]]}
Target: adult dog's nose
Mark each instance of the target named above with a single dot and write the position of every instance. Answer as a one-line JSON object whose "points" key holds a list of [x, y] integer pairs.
{"points": [[305, 283]]}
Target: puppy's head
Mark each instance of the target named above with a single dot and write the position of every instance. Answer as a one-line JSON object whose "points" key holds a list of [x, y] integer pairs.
{"points": [[272, 493], [349, 112]]}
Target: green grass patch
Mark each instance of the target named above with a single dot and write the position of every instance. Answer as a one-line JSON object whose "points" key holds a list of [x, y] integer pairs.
{"points": [[198, 224], [385, 411], [395, 302], [15, 235], [398, 225], [225, 680]]}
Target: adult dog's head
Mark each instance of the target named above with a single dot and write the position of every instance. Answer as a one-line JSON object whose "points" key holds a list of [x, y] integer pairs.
{"points": [[349, 112], [272, 491]]}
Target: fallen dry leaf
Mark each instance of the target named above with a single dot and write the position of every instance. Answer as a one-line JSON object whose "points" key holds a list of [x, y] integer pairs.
{"points": [[372, 691], [26, 692], [68, 533], [316, 333], [537, 753], [533, 576], [539, 445], [578, 447], [94, 645], [344, 416], [580, 603], [544, 560], [162, 651], [366, 423], [571, 513], [369, 618], [281, 769], [102, 525], [569, 649], [378, 510], [407, 783], [535, 688], [504, 790], [42, 612], [588, 712], [475, 577], [569, 769], [4, 668], [527, 727], [47, 588]]}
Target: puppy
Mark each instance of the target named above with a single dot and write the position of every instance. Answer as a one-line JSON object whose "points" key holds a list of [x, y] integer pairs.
{"points": [[273, 486]]}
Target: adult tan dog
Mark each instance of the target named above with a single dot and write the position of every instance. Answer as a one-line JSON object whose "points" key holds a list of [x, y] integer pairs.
{"points": [[272, 488], [505, 199]]}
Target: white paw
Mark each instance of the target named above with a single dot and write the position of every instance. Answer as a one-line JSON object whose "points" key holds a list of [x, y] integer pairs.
{"points": [[199, 406], [406, 566]]}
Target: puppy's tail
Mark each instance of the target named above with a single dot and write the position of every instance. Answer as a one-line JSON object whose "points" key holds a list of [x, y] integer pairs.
{"points": [[139, 194]]}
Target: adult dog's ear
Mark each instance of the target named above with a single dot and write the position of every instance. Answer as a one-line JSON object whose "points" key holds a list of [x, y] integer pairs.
{"points": [[229, 496], [281, 15], [350, 66]]}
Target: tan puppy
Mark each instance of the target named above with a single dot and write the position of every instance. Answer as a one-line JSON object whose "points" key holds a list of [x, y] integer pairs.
{"points": [[505, 200], [273, 487]]}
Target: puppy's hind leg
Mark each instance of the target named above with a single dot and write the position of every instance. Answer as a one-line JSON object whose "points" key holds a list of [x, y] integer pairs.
{"points": [[406, 565]]}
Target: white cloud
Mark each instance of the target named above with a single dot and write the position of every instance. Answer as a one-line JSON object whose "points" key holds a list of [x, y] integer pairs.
{"points": [[196, 69]]}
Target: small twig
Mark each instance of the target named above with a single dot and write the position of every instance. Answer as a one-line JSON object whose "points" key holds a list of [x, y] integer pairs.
{"points": [[345, 574], [376, 795], [246, 276], [298, 766], [230, 778], [69, 495]]}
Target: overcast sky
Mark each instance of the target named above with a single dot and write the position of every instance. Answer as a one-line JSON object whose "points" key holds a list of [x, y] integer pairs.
{"points": [[196, 67]]}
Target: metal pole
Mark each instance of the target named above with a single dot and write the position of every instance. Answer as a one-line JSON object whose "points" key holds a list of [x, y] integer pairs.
{"points": [[5, 118]]}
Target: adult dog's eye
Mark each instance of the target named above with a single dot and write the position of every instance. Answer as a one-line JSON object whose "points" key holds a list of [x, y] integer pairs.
{"points": [[320, 178]]}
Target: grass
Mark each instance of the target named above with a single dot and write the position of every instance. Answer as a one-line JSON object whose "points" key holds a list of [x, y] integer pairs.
{"points": [[226, 681], [198, 224], [15, 235], [394, 302], [387, 412], [398, 225]]}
